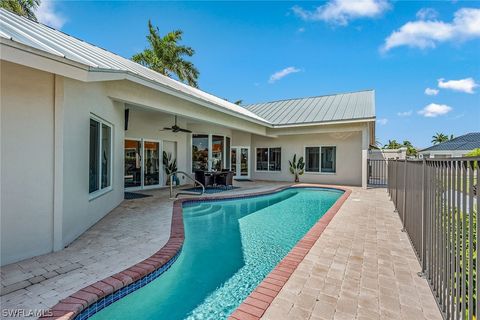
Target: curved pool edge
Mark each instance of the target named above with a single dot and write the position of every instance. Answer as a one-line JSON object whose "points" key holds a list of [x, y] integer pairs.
{"points": [[91, 299], [258, 301]]}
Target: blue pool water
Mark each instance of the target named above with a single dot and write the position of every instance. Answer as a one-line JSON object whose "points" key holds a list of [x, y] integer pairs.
{"points": [[230, 246]]}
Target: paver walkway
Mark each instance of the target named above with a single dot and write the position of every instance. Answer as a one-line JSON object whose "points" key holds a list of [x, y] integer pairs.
{"points": [[129, 234], [362, 267]]}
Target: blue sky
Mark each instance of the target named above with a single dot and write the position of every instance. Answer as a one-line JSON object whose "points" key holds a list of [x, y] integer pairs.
{"points": [[262, 51]]}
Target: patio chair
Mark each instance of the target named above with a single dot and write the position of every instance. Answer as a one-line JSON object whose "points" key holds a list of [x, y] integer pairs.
{"points": [[226, 179], [205, 179]]}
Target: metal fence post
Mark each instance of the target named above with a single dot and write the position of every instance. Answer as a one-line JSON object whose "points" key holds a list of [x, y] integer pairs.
{"points": [[404, 207], [424, 192], [396, 186]]}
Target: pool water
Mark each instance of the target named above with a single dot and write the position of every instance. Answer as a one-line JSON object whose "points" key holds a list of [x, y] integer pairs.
{"points": [[230, 246]]}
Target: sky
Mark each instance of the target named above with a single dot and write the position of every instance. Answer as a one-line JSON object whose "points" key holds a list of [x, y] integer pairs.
{"points": [[421, 58]]}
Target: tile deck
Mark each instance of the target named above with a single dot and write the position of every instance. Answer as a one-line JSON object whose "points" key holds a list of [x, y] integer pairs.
{"points": [[362, 266]]}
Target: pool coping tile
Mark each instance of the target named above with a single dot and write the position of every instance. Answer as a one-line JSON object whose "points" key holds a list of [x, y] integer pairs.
{"points": [[266, 291], [91, 299]]}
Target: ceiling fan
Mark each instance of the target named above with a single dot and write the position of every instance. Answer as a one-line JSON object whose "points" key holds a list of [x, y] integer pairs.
{"points": [[176, 128]]}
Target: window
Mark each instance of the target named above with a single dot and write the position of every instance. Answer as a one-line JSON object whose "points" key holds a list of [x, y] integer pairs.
{"points": [[217, 152], [320, 159], [262, 159], [312, 159], [199, 152], [329, 159], [269, 159], [100, 177]]}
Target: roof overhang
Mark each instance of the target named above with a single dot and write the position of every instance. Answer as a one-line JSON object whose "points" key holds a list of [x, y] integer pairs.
{"points": [[19, 53]]}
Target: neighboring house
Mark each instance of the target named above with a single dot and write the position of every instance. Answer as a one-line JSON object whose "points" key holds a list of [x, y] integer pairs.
{"points": [[387, 154], [80, 125], [454, 148]]}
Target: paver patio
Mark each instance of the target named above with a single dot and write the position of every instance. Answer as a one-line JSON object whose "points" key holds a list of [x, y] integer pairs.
{"points": [[362, 266]]}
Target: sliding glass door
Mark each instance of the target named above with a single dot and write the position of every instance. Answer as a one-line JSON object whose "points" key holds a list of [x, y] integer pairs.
{"points": [[240, 158], [142, 164]]}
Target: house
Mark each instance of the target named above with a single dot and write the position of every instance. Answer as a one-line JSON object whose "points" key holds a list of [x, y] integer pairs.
{"points": [[454, 148], [80, 125]]}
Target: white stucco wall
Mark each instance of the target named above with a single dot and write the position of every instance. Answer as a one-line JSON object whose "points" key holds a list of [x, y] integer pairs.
{"points": [[348, 155], [80, 101], [27, 108]]}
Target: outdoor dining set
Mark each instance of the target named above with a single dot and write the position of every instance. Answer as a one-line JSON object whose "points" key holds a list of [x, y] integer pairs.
{"points": [[220, 178]]}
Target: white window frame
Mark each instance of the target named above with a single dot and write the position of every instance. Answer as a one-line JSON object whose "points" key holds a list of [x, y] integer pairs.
{"points": [[268, 160], [210, 142], [319, 159], [101, 191]]}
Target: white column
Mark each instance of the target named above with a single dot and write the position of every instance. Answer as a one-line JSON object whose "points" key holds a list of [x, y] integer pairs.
{"points": [[365, 139], [58, 164]]}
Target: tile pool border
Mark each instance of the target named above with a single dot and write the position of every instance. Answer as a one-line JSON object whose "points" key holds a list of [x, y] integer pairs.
{"points": [[87, 301], [258, 301]]}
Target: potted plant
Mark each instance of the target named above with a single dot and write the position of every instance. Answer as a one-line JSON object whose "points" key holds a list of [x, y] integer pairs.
{"points": [[297, 168], [170, 166]]}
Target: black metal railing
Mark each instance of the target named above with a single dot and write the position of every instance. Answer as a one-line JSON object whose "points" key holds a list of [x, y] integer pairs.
{"points": [[437, 201], [377, 172]]}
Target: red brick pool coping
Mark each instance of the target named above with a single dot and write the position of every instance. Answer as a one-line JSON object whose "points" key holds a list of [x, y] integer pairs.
{"points": [[253, 307]]}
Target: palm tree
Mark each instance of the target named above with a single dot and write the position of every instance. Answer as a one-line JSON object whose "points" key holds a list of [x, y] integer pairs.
{"points": [[392, 144], [411, 150], [24, 8], [439, 138], [166, 56]]}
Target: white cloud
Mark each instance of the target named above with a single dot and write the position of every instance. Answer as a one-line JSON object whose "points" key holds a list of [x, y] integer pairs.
{"points": [[428, 33], [464, 85], [282, 73], [405, 113], [340, 12], [301, 30], [47, 14], [427, 14], [382, 121], [434, 110], [431, 92]]}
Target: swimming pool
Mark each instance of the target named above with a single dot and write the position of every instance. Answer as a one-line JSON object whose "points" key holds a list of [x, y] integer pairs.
{"points": [[230, 246]]}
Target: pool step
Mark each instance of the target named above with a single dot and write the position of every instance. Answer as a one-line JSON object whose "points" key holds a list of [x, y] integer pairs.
{"points": [[211, 209]]}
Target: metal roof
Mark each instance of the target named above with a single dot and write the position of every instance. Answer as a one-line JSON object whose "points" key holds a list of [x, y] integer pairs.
{"points": [[340, 107], [336, 107], [57, 43], [466, 142]]}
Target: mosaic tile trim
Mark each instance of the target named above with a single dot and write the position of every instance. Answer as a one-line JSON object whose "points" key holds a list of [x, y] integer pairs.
{"points": [[91, 299], [117, 295]]}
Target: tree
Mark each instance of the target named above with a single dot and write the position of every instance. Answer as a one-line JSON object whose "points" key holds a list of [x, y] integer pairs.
{"points": [[23, 8], [296, 168], [166, 56], [439, 138], [392, 144], [411, 150]]}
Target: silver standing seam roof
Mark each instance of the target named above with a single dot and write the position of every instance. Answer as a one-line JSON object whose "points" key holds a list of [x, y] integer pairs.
{"points": [[328, 108], [339, 107], [466, 142]]}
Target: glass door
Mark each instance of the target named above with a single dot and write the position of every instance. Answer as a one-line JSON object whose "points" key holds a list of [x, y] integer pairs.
{"points": [[133, 164], [151, 156], [241, 162]]}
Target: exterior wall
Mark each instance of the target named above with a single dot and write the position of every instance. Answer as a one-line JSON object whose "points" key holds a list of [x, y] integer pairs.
{"points": [[348, 155], [241, 139], [386, 154], [80, 101], [443, 154], [27, 162]]}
